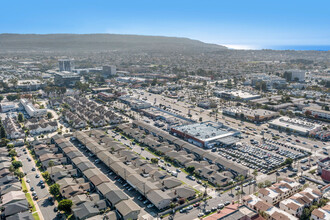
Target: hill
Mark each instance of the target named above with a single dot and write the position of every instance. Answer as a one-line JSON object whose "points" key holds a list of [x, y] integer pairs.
{"points": [[100, 42]]}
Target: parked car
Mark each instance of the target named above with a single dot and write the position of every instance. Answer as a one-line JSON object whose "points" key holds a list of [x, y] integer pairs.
{"points": [[150, 206], [200, 214], [197, 204]]}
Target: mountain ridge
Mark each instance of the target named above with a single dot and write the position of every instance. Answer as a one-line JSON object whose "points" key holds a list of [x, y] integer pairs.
{"points": [[102, 42]]}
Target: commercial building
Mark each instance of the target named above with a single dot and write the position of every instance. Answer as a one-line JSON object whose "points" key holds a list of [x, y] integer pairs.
{"points": [[170, 118], [272, 82], [206, 134], [135, 103], [298, 126], [324, 169], [31, 110], [236, 94], [8, 106], [317, 113], [101, 89], [254, 115], [66, 79], [109, 70], [30, 85], [66, 65], [295, 75], [106, 96]]}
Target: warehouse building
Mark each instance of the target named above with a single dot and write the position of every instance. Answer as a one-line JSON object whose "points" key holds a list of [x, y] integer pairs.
{"points": [[254, 115], [236, 95], [207, 134], [317, 113], [298, 126]]}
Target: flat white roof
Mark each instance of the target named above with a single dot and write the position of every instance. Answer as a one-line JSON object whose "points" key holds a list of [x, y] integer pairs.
{"points": [[294, 124]]}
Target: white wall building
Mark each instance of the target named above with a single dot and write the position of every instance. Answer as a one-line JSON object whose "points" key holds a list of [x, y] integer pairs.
{"points": [[317, 112], [298, 126], [31, 110], [298, 75]]}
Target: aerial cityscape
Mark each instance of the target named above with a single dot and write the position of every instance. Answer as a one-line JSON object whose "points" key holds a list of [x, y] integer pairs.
{"points": [[167, 118]]}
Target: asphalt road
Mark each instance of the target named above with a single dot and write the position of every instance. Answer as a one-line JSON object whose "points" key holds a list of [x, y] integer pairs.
{"points": [[46, 208]]}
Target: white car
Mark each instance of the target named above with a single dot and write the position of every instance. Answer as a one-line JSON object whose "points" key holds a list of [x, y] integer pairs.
{"points": [[200, 214], [150, 206]]}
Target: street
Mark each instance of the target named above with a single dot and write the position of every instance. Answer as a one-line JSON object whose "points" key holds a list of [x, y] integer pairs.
{"points": [[46, 208]]}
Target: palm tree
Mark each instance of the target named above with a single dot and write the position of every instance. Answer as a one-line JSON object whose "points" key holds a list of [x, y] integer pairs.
{"points": [[51, 164], [238, 193], [255, 173], [241, 178]]}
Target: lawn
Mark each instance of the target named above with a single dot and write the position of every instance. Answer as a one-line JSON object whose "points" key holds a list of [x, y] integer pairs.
{"points": [[24, 187], [35, 216], [30, 201]]}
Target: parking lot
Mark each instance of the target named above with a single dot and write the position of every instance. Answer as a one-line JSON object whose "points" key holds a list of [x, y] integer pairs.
{"points": [[264, 157]]}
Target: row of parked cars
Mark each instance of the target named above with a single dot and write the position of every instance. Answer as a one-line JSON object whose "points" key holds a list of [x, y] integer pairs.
{"points": [[300, 152], [207, 211], [249, 156], [129, 188]]}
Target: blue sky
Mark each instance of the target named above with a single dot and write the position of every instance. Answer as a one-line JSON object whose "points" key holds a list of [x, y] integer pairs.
{"points": [[249, 23]]}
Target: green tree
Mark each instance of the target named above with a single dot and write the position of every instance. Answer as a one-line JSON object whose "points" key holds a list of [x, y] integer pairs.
{"points": [[306, 214], [51, 164], [19, 174], [154, 160], [2, 132], [17, 164], [261, 185], [45, 175], [20, 117], [10, 146], [13, 97], [268, 183], [4, 142], [49, 115], [54, 189], [1, 98], [12, 153], [12, 168], [65, 205], [288, 161], [190, 169]]}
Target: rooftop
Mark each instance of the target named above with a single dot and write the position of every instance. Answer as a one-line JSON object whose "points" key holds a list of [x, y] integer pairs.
{"points": [[206, 131]]}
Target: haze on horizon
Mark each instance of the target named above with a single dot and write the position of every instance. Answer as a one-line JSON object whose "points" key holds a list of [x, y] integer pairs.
{"points": [[235, 24]]}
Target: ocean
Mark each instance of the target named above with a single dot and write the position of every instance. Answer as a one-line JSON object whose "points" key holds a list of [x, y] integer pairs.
{"points": [[299, 47]]}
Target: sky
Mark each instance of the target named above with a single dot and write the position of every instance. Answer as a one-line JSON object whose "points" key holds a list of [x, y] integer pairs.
{"points": [[243, 24]]}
